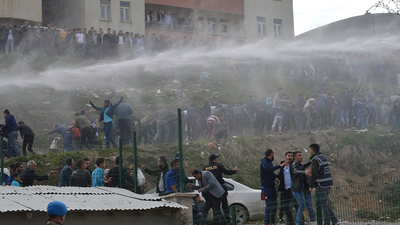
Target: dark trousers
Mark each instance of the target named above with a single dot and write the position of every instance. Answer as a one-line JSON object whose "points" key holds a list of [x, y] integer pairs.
{"points": [[28, 141], [287, 206], [86, 138], [270, 196], [191, 126], [327, 212], [125, 130], [225, 207], [214, 203]]}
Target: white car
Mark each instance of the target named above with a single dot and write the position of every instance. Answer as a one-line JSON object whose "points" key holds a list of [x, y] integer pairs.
{"points": [[249, 203]]}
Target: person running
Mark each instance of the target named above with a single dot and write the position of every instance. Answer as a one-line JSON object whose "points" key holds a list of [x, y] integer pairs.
{"points": [[66, 133], [28, 137]]}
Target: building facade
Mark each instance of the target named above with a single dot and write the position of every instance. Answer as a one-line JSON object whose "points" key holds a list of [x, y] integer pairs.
{"points": [[18, 11], [251, 20]]}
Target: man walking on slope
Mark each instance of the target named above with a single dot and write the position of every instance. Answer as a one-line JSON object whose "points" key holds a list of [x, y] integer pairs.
{"points": [[106, 114]]}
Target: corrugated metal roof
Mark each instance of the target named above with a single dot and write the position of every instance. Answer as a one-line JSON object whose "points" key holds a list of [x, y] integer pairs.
{"points": [[36, 198]]}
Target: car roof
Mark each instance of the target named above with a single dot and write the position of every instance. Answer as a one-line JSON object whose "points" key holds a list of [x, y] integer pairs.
{"points": [[233, 182]]}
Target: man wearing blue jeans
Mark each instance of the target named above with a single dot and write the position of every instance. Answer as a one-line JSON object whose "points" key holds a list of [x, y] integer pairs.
{"points": [[106, 115], [66, 133], [268, 185], [12, 128], [299, 185]]}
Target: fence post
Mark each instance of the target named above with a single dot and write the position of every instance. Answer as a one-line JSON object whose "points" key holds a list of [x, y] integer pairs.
{"points": [[135, 167], [181, 172], [2, 160], [233, 214], [121, 176], [318, 206]]}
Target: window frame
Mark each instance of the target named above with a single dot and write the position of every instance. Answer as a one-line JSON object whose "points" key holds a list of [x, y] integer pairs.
{"points": [[106, 12], [123, 12], [261, 24], [278, 29], [211, 25], [202, 27], [224, 23]]}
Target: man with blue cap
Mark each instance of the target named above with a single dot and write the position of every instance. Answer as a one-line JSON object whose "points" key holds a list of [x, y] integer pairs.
{"points": [[56, 212]]}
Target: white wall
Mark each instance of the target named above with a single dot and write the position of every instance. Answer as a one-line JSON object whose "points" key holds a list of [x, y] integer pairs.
{"points": [[21, 9], [270, 9]]}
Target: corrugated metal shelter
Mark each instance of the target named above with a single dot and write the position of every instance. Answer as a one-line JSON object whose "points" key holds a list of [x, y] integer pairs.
{"points": [[101, 205]]}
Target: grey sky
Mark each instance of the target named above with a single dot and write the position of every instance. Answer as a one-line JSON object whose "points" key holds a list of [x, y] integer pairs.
{"points": [[310, 14]]}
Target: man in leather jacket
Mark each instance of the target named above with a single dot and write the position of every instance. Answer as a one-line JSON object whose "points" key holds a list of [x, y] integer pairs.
{"points": [[299, 184]]}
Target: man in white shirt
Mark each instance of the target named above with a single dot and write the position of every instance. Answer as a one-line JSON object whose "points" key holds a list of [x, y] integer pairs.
{"points": [[80, 39], [10, 39], [308, 107]]}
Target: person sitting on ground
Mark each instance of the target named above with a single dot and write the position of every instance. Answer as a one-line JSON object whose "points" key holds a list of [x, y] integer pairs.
{"points": [[56, 212], [16, 179]]}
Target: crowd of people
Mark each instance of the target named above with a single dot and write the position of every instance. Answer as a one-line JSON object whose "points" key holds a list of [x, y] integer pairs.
{"points": [[276, 114], [88, 43], [294, 181]]}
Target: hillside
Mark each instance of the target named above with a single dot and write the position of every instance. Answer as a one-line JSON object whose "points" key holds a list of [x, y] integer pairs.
{"points": [[355, 156]]}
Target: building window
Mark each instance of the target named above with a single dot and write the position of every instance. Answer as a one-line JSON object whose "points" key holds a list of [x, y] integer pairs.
{"points": [[261, 26], [211, 25], [105, 9], [224, 26], [125, 9], [278, 28], [202, 28]]}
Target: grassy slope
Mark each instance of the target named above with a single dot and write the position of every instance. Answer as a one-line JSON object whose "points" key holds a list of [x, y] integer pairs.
{"points": [[30, 104]]}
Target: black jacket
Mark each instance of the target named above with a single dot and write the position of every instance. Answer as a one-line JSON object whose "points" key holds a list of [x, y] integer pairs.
{"points": [[29, 175], [114, 174], [99, 39], [217, 170], [344, 100], [25, 130], [80, 178], [158, 174], [299, 182]]}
